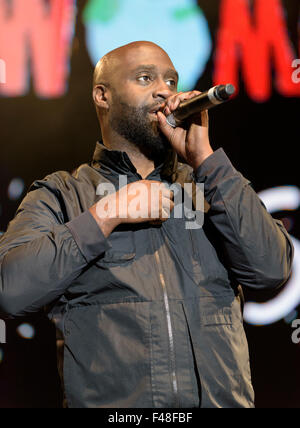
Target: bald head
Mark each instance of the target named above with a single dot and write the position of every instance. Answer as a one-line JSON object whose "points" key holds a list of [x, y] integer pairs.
{"points": [[109, 63]]}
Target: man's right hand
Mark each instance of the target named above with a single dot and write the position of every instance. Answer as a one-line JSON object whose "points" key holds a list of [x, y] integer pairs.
{"points": [[138, 202]]}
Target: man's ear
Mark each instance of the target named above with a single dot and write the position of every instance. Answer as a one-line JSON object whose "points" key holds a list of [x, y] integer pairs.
{"points": [[100, 96]]}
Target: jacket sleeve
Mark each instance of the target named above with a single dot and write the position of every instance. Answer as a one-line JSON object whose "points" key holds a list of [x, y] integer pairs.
{"points": [[40, 256], [258, 250]]}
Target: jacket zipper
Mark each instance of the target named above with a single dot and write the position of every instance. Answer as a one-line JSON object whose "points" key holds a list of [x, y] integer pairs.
{"points": [[170, 330]]}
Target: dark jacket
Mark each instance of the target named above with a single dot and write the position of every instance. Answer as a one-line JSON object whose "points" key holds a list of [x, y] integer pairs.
{"points": [[151, 316]]}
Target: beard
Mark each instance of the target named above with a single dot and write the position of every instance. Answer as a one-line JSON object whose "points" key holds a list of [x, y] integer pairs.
{"points": [[134, 125]]}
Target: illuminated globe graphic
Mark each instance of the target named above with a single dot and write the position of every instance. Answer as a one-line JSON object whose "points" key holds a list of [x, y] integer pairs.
{"points": [[178, 26]]}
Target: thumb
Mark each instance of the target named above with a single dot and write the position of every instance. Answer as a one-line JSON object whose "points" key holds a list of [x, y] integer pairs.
{"points": [[166, 129]]}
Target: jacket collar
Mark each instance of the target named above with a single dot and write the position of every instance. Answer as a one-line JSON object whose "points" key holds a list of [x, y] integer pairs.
{"points": [[115, 162]]}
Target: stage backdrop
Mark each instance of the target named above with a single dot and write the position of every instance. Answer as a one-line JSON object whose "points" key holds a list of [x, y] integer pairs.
{"points": [[48, 49]]}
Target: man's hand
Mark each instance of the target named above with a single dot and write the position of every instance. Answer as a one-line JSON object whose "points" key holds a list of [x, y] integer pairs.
{"points": [[138, 202], [192, 141]]}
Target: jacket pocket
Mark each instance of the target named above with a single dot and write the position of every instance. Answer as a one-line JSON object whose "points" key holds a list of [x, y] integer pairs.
{"points": [[107, 356], [123, 248], [221, 352]]}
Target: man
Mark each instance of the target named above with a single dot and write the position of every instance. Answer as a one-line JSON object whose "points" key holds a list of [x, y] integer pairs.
{"points": [[150, 309]]}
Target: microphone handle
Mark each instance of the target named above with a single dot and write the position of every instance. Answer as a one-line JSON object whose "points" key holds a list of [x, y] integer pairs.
{"points": [[215, 96]]}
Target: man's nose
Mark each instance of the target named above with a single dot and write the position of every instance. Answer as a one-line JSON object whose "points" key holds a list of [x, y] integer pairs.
{"points": [[162, 90]]}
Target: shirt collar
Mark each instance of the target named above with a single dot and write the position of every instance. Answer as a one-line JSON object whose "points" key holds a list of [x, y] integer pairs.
{"points": [[115, 162]]}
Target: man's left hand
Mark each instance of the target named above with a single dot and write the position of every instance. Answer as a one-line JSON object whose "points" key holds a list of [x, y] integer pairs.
{"points": [[191, 140]]}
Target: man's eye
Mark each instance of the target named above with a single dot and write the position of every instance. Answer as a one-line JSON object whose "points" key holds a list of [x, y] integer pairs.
{"points": [[172, 83], [144, 78]]}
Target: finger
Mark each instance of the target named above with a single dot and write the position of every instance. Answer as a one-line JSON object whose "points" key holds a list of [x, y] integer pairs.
{"points": [[201, 119], [166, 129], [205, 118], [173, 102], [176, 136], [166, 202], [169, 104], [159, 188], [167, 193], [165, 213], [166, 209]]}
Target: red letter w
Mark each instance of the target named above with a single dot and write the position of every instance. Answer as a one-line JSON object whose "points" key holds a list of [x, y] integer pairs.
{"points": [[39, 33]]}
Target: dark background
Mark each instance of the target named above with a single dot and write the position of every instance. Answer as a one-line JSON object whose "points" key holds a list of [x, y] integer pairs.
{"points": [[38, 137]]}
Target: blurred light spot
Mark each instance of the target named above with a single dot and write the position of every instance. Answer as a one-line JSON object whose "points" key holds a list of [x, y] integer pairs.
{"points": [[286, 301], [15, 188], [281, 198], [1, 355], [26, 331]]}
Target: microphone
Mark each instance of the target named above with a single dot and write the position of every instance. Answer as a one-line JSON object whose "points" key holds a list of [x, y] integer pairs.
{"points": [[211, 98]]}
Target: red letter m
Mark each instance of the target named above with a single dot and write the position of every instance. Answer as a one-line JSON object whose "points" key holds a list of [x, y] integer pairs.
{"points": [[255, 44], [41, 32]]}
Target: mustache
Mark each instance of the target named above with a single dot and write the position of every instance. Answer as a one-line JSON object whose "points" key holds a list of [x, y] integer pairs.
{"points": [[156, 107]]}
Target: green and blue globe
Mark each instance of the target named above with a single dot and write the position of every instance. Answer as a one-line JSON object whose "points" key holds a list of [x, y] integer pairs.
{"points": [[178, 26]]}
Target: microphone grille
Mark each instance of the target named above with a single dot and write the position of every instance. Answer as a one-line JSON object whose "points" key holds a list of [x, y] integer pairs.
{"points": [[230, 89], [224, 92]]}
